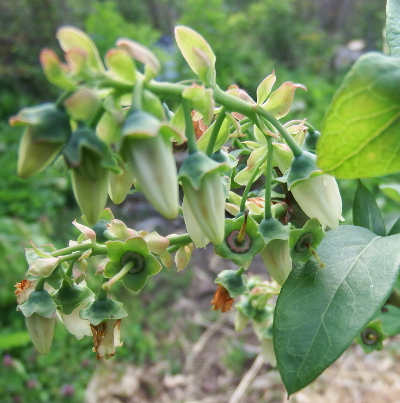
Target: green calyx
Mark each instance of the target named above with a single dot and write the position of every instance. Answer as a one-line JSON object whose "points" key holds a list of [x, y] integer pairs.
{"points": [[47, 123], [101, 310], [243, 250], [135, 258], [133, 251], [271, 228], [196, 166], [82, 142], [234, 281], [302, 167], [371, 338], [249, 307], [48, 128], [303, 242], [141, 124], [39, 302], [69, 297]]}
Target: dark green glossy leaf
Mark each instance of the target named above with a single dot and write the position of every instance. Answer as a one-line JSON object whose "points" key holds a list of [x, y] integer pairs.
{"points": [[395, 228], [319, 312], [361, 130], [366, 212], [393, 26]]}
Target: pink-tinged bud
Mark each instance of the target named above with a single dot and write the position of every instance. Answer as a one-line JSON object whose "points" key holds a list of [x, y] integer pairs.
{"points": [[43, 267], [41, 332], [319, 197], [276, 257], [208, 205]]}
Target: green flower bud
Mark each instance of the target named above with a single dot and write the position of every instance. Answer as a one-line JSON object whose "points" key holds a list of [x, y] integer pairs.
{"points": [[39, 311], [120, 185], [276, 257], [48, 129], [154, 168], [241, 321], [85, 153], [319, 197], [148, 150], [208, 205], [194, 229], [41, 332]]}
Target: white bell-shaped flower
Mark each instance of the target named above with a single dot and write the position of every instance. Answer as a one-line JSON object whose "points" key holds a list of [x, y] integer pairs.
{"points": [[276, 257], [74, 324], [319, 197]]}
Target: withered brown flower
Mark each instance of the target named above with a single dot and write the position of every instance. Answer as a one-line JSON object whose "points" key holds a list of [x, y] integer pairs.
{"points": [[222, 299]]}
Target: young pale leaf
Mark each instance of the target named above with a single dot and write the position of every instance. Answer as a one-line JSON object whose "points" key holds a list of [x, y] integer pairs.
{"points": [[366, 213], [391, 190], [361, 130], [319, 312], [121, 66], [197, 53], [72, 38], [265, 87], [393, 26]]}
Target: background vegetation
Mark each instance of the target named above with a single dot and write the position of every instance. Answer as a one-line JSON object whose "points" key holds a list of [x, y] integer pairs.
{"points": [[303, 40]]}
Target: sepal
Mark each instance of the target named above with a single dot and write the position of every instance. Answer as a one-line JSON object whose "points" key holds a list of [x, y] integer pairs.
{"points": [[101, 310], [301, 240], [240, 253]]}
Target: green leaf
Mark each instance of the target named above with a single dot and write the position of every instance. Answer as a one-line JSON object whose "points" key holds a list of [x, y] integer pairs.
{"points": [[121, 66], [13, 340], [395, 228], [393, 26], [197, 53], [319, 312], [280, 101], [144, 55], [222, 138], [54, 71], [361, 130], [366, 212], [391, 190], [202, 100], [72, 38]]}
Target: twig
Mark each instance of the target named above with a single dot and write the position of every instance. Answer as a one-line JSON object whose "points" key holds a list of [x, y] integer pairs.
{"points": [[247, 379]]}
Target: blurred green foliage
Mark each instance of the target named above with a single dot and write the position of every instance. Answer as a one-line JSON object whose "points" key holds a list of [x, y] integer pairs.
{"points": [[106, 24]]}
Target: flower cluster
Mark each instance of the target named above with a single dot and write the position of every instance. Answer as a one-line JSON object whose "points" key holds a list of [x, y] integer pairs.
{"points": [[114, 131]]}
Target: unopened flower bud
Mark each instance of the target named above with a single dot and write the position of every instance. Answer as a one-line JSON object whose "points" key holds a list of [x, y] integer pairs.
{"points": [[276, 257], [319, 197], [41, 332], [207, 204], [154, 167]]}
